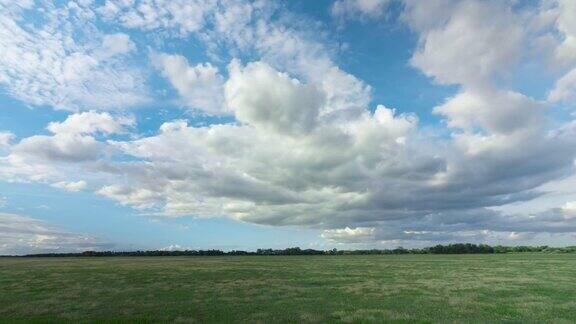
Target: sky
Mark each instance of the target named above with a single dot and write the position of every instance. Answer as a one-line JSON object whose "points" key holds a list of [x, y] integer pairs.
{"points": [[238, 125]]}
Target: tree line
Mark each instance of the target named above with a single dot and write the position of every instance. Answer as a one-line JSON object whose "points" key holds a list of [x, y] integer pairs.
{"points": [[457, 248]]}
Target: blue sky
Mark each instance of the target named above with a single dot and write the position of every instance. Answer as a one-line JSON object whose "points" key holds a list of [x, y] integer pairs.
{"points": [[201, 124]]}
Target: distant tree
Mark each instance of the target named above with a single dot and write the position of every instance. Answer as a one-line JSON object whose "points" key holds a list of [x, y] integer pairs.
{"points": [[455, 248]]}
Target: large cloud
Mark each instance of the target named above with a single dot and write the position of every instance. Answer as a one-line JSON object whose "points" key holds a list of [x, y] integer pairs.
{"points": [[72, 139], [286, 163], [57, 156], [200, 86], [375, 170]]}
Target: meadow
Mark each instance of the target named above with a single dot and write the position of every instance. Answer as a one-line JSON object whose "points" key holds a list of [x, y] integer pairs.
{"points": [[526, 287]]}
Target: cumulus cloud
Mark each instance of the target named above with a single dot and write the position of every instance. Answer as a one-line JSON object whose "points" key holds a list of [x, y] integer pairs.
{"points": [[374, 170], [376, 173], [200, 86], [496, 111], [70, 186], [5, 139], [139, 198], [559, 41], [276, 161], [57, 148], [357, 9], [90, 122], [565, 88], [469, 42], [72, 139], [349, 235], [564, 12], [72, 142], [175, 247], [261, 96], [25, 235]]}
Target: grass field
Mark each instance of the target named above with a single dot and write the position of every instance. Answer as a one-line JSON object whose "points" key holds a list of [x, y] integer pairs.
{"points": [[265, 289]]}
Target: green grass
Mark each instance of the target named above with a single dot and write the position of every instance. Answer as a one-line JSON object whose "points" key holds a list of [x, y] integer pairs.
{"points": [[267, 289]]}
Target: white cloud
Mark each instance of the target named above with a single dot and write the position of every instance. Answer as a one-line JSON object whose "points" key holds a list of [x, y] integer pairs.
{"points": [[569, 206], [185, 16], [200, 86], [90, 122], [175, 247], [565, 88], [115, 44], [286, 163], [239, 167], [478, 40], [70, 186], [59, 147], [25, 235], [496, 111], [64, 61], [558, 41], [425, 15], [569, 210], [350, 235], [267, 99], [140, 198], [242, 28], [57, 156], [5, 139], [565, 52], [351, 172], [358, 9], [520, 236]]}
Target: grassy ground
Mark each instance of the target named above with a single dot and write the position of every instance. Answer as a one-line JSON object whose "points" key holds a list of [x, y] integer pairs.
{"points": [[255, 289]]}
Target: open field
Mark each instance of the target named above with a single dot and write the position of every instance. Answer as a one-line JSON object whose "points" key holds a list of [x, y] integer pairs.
{"points": [[399, 288]]}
